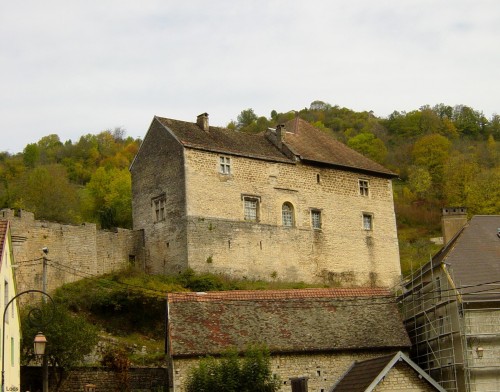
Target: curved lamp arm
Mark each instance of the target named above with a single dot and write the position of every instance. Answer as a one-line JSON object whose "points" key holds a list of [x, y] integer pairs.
{"points": [[3, 324]]}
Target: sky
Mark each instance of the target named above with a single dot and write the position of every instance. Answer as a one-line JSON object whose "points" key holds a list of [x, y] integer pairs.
{"points": [[83, 66]]}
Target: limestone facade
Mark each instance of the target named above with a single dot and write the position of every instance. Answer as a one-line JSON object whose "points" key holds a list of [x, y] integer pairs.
{"points": [[321, 370], [192, 212], [74, 251]]}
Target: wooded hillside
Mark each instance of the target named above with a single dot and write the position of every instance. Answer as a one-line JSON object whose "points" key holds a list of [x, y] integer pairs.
{"points": [[444, 156]]}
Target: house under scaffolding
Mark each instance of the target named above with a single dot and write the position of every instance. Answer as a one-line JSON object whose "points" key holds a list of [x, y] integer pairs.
{"points": [[451, 309]]}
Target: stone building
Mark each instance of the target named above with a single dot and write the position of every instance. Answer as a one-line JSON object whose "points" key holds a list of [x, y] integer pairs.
{"points": [[73, 251], [313, 335], [291, 203], [11, 333], [451, 305], [390, 373]]}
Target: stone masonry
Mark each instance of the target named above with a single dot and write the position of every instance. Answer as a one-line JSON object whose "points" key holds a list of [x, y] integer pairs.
{"points": [[193, 215], [74, 251], [321, 370]]}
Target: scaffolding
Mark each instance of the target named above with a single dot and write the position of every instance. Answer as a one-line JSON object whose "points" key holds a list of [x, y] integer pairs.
{"points": [[457, 345]]}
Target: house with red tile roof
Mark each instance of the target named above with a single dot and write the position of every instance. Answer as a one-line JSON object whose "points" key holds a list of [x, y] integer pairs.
{"points": [[291, 203], [312, 334], [11, 324]]}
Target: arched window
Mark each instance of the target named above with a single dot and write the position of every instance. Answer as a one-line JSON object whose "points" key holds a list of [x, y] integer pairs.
{"points": [[287, 215]]}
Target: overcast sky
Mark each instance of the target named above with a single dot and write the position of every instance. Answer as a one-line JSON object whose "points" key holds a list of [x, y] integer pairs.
{"points": [[78, 67]]}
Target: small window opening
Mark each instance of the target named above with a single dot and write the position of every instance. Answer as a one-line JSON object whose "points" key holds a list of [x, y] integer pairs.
{"points": [[363, 187], [225, 165]]}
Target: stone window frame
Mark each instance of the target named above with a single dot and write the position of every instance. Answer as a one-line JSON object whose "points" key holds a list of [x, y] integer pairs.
{"points": [[225, 165], [316, 219], [251, 207], [287, 214], [158, 204], [367, 221], [364, 187]]}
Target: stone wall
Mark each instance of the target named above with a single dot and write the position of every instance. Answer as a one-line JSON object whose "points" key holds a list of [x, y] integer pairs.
{"points": [[403, 378], [158, 173], [341, 252], [322, 370], [105, 380], [74, 251]]}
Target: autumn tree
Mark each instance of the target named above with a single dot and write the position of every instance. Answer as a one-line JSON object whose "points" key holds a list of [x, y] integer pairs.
{"points": [[107, 198], [369, 145], [431, 152], [47, 192]]}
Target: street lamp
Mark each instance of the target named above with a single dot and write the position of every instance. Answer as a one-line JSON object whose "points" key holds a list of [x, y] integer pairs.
{"points": [[40, 340], [39, 344]]}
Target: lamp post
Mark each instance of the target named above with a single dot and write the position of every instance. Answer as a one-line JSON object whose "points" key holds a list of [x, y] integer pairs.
{"points": [[40, 340]]}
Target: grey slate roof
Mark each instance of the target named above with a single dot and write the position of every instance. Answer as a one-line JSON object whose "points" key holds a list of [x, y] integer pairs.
{"points": [[474, 258], [304, 140], [364, 376], [293, 321]]}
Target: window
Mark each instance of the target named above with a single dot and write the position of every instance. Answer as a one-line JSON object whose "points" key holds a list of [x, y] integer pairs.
{"points": [[251, 206], [287, 215], [159, 208], [225, 165], [368, 221], [363, 187], [6, 299], [316, 219], [299, 384]]}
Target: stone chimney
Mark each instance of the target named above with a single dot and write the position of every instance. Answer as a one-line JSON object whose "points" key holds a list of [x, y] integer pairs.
{"points": [[452, 221], [280, 135], [202, 121]]}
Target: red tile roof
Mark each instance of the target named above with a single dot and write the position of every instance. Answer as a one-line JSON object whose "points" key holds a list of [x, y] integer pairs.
{"points": [[245, 295], [4, 225], [306, 320]]}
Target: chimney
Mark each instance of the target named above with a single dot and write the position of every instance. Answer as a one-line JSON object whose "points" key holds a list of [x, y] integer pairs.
{"points": [[452, 221], [202, 121], [280, 134]]}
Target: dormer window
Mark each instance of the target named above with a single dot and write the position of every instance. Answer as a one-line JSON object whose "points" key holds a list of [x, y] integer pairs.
{"points": [[225, 165]]}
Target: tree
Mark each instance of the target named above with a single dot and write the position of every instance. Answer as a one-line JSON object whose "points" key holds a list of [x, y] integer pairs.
{"points": [[107, 198], [47, 192], [232, 374], [419, 180], [431, 152], [246, 118], [369, 145], [69, 337]]}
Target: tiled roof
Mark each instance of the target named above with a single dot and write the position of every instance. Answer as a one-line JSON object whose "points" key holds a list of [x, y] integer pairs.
{"points": [[365, 375], [223, 140], [473, 258], [311, 144], [304, 140], [304, 320], [3, 236]]}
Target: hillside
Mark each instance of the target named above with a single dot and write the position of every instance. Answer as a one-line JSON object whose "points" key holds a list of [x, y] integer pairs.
{"points": [[444, 156]]}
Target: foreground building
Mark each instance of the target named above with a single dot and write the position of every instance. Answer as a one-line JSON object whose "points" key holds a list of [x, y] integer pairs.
{"points": [[291, 203], [12, 336], [313, 335], [451, 305]]}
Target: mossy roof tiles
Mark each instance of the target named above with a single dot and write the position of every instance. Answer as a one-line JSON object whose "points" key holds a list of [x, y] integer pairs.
{"points": [[293, 321]]}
